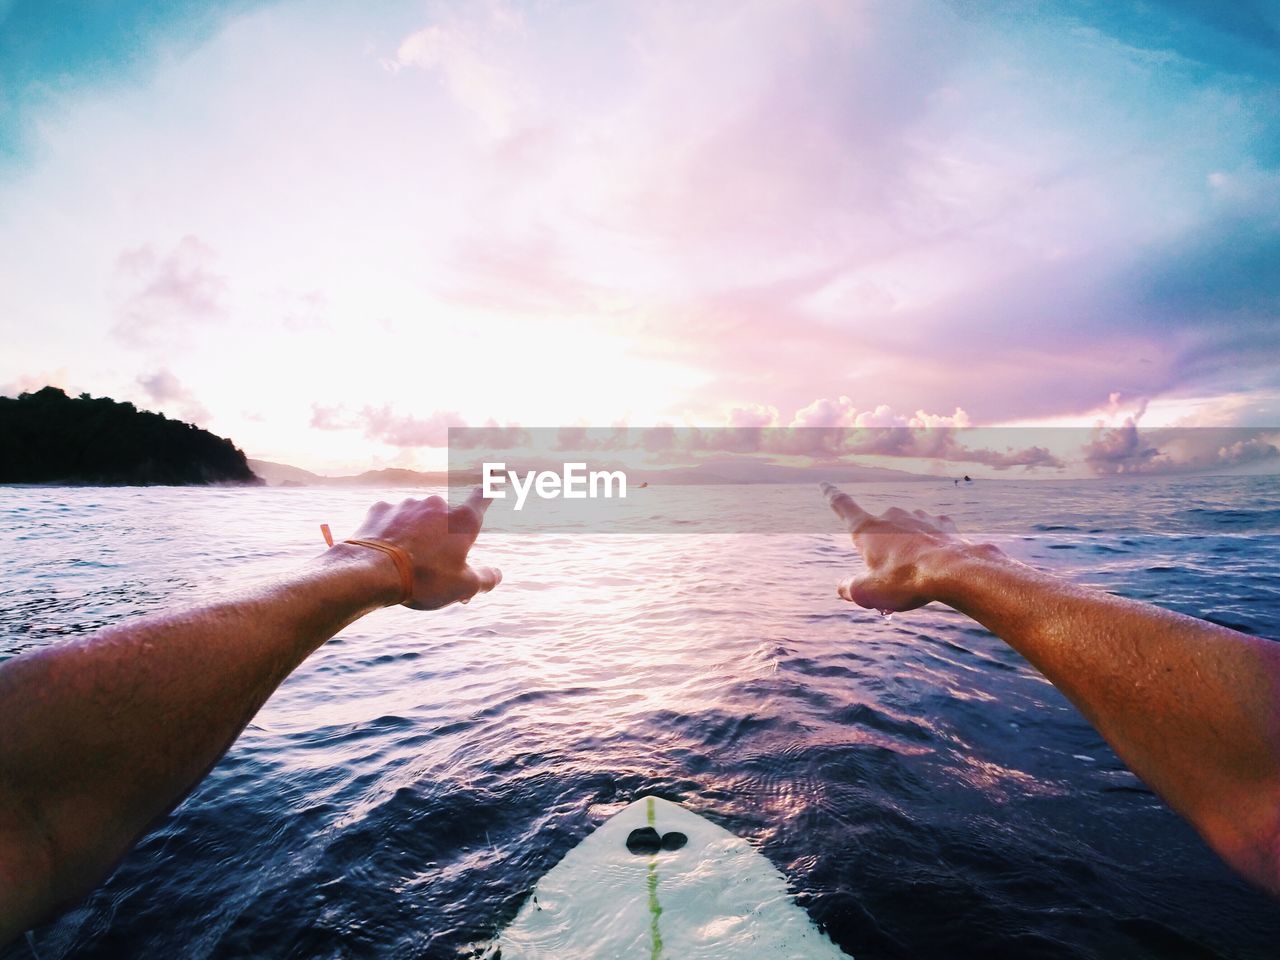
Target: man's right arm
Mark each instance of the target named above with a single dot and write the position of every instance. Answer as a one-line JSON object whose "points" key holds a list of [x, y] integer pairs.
{"points": [[1193, 708]]}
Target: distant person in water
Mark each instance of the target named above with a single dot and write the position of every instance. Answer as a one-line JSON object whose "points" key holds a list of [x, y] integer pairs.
{"points": [[103, 735]]}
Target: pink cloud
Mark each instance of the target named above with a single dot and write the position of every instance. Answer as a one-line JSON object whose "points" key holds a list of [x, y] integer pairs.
{"points": [[404, 430], [1127, 450], [838, 208], [331, 418], [384, 425], [842, 412], [168, 291], [31, 382], [165, 390], [1252, 450], [752, 416], [751, 431]]}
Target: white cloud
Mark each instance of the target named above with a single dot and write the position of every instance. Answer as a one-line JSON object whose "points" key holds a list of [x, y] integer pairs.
{"points": [[470, 68], [842, 412]]}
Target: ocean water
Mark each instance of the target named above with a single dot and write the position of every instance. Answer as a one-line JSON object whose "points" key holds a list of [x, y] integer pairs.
{"points": [[926, 793]]}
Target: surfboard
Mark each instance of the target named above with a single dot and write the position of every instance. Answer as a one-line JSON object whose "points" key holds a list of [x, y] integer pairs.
{"points": [[658, 881]]}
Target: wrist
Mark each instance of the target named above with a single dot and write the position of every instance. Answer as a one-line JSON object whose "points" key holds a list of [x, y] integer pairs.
{"points": [[370, 576], [954, 574]]}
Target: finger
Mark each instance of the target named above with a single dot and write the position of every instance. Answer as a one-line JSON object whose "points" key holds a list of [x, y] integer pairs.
{"points": [[477, 501], [468, 516], [844, 505], [487, 578], [479, 580]]}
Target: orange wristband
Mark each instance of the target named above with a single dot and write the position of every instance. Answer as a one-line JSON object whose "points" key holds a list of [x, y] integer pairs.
{"points": [[401, 558]]}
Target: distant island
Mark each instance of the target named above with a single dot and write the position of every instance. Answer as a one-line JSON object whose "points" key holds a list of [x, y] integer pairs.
{"points": [[49, 437], [741, 471], [284, 475]]}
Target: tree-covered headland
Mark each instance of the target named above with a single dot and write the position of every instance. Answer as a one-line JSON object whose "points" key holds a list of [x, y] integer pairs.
{"points": [[49, 437]]}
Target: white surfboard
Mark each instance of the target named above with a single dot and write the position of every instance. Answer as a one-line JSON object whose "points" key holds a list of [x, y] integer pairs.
{"points": [[657, 881]]}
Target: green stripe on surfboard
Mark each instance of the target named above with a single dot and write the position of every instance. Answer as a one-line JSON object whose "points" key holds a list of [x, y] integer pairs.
{"points": [[655, 908]]}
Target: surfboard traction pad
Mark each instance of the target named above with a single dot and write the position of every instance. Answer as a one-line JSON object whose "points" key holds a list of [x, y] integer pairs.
{"points": [[711, 898]]}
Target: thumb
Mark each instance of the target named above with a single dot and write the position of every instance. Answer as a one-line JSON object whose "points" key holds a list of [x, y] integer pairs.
{"points": [[479, 580], [873, 593], [859, 590]]}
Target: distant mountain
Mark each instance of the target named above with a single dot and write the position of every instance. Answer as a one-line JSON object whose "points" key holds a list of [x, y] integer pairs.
{"points": [[394, 477], [725, 471], [48, 437], [283, 475]]}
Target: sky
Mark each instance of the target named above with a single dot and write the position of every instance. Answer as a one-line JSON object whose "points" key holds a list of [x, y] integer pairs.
{"points": [[330, 231]]}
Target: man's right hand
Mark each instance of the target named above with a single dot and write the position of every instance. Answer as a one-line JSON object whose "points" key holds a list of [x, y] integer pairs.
{"points": [[905, 554]]}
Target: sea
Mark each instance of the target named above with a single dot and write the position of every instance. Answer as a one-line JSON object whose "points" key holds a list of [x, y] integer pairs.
{"points": [[925, 792]]}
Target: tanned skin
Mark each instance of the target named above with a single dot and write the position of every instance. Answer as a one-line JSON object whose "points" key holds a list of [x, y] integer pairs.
{"points": [[1193, 708], [103, 735]]}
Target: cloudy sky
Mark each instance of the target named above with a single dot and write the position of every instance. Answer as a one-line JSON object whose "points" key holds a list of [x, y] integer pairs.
{"points": [[329, 230]]}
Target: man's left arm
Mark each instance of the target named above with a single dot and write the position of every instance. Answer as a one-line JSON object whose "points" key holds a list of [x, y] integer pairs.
{"points": [[103, 735]]}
